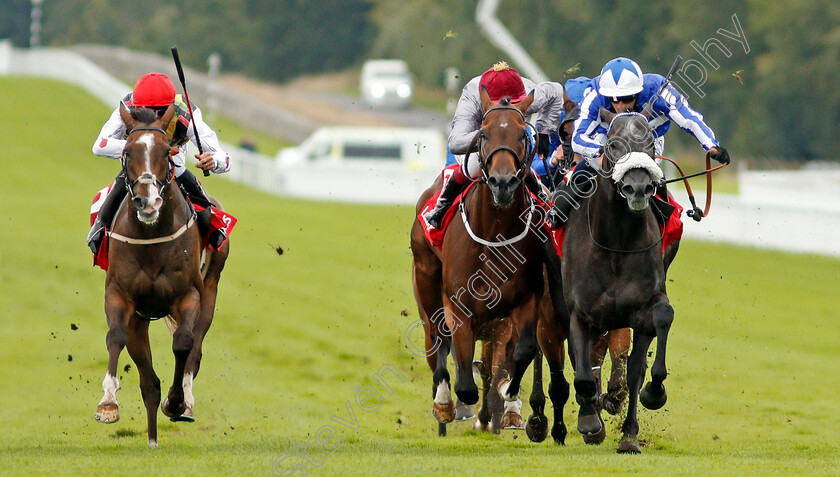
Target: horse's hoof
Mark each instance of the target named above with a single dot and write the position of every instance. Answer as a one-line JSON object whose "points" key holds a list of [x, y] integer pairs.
{"points": [[153, 443], [187, 416], [107, 413], [173, 414], [609, 403], [536, 428], [651, 398], [482, 426], [464, 412], [512, 420], [629, 445], [444, 413], [558, 432], [590, 425], [597, 438]]}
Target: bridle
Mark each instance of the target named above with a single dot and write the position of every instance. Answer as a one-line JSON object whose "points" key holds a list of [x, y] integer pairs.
{"points": [[144, 178], [476, 145], [483, 160]]}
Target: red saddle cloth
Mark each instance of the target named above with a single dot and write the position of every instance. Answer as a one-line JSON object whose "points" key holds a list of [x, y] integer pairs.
{"points": [[673, 227], [435, 236], [219, 220]]}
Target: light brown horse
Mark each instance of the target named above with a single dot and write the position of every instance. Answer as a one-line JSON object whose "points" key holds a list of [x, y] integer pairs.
{"points": [[488, 278], [155, 271]]}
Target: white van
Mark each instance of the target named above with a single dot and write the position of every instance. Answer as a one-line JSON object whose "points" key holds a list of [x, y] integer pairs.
{"points": [[363, 164], [386, 83]]}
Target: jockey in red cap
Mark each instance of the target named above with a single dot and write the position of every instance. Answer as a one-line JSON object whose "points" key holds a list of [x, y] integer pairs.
{"points": [[500, 81], [155, 91]]}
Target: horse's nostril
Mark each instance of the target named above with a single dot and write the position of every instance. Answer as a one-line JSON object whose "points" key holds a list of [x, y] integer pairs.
{"points": [[628, 190], [649, 189], [138, 202], [492, 181]]}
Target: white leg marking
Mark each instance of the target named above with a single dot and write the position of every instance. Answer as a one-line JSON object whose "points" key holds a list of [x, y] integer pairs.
{"points": [[503, 390], [110, 385], [189, 399], [442, 395]]}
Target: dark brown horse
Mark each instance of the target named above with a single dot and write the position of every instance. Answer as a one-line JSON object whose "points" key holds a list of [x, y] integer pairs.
{"points": [[613, 273], [155, 271], [488, 276]]}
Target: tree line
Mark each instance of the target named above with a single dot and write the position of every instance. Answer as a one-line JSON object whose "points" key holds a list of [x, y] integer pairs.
{"points": [[762, 73]]}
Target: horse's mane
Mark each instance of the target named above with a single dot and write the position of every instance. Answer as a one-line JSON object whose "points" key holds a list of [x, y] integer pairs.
{"points": [[144, 115]]}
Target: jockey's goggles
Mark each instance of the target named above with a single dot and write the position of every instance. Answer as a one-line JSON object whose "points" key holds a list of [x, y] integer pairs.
{"points": [[622, 99]]}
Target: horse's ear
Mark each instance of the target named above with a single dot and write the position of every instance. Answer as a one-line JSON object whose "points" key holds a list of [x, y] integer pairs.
{"points": [[167, 116], [525, 103], [486, 103], [606, 114], [125, 114]]}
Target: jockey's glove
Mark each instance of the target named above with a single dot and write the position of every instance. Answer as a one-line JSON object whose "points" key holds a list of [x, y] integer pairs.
{"points": [[543, 145], [721, 155]]}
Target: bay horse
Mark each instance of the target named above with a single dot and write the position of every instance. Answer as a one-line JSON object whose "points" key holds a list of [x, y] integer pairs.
{"points": [[613, 273], [155, 271], [487, 279]]}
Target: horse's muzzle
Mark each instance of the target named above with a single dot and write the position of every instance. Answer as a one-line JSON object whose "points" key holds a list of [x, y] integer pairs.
{"points": [[638, 195], [148, 207], [503, 186]]}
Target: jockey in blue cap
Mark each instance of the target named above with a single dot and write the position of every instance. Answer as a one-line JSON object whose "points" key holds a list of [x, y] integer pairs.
{"points": [[622, 87]]}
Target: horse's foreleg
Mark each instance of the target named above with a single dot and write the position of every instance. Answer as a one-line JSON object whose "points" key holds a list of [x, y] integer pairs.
{"points": [[503, 355], [619, 347], [580, 342], [636, 365], [525, 318], [186, 313], [551, 342], [118, 311], [463, 347], [537, 426], [140, 351], [485, 372], [653, 396], [205, 319]]}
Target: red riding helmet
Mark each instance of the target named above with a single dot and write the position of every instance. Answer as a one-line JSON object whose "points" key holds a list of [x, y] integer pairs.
{"points": [[501, 80], [153, 90]]}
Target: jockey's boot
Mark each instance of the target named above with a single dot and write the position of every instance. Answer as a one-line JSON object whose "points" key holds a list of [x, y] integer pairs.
{"points": [[198, 196], [191, 186], [106, 213], [568, 195], [454, 187], [533, 184]]}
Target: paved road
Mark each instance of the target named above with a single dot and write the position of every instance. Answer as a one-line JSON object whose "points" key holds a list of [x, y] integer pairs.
{"points": [[290, 111]]}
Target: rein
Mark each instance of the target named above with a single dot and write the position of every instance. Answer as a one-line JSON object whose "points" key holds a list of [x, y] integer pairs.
{"points": [[130, 185], [501, 243], [152, 241], [592, 236], [695, 212]]}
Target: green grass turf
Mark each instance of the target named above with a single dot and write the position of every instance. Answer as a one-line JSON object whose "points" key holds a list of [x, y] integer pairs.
{"points": [[753, 350]]}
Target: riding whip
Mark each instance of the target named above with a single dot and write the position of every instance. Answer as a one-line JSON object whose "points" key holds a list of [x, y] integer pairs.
{"points": [[187, 97]]}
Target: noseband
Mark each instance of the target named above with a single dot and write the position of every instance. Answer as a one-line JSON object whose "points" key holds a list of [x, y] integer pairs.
{"points": [[170, 173], [483, 160]]}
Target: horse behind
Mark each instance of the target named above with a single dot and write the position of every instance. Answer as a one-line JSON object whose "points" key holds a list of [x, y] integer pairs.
{"points": [[155, 271], [614, 241], [487, 280]]}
